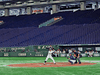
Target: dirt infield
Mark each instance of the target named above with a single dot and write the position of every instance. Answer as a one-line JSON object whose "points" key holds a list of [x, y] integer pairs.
{"points": [[63, 64]]}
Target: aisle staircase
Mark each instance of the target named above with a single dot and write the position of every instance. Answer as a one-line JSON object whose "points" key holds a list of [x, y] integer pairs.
{"points": [[51, 21]]}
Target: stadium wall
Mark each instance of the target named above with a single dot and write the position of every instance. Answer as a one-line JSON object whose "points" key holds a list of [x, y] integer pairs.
{"points": [[42, 50]]}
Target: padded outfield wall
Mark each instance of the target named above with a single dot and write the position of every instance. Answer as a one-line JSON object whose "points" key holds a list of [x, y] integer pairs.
{"points": [[42, 50], [29, 51]]}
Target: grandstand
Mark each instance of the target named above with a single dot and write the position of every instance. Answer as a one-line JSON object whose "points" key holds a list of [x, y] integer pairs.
{"points": [[24, 31]]}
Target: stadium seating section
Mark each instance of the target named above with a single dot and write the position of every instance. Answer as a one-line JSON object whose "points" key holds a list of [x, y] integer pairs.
{"points": [[81, 27]]}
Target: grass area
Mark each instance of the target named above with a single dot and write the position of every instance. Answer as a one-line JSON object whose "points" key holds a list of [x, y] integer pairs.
{"points": [[76, 70]]}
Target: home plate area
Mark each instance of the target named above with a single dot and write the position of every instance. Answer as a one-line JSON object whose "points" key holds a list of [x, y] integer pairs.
{"points": [[58, 64]]}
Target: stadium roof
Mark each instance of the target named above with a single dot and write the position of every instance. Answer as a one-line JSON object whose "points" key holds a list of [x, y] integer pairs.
{"points": [[23, 3]]}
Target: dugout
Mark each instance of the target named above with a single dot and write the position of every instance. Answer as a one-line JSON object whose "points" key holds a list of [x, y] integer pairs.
{"points": [[82, 48]]}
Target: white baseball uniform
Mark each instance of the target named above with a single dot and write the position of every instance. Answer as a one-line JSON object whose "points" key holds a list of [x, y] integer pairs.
{"points": [[73, 61], [70, 51], [50, 56], [90, 53]]}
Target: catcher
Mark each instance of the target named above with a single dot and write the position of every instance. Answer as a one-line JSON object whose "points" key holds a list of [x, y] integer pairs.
{"points": [[71, 59]]}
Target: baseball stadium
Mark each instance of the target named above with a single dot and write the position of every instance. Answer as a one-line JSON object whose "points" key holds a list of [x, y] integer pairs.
{"points": [[49, 37]]}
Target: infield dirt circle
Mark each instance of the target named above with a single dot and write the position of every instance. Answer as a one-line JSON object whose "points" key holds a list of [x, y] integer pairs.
{"points": [[58, 64]]}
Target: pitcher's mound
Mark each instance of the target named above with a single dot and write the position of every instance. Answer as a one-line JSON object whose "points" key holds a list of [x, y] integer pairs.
{"points": [[58, 64]]}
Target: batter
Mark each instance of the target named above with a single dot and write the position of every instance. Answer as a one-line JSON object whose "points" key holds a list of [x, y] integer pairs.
{"points": [[50, 56]]}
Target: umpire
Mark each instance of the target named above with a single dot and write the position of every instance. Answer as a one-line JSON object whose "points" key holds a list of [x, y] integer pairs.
{"points": [[77, 56], [53, 54]]}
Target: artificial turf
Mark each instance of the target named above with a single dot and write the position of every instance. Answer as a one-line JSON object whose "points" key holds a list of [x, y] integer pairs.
{"points": [[72, 70]]}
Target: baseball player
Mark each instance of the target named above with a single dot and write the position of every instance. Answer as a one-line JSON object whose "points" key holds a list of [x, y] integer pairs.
{"points": [[71, 59], [50, 56], [53, 54], [77, 56], [50, 47], [70, 50]]}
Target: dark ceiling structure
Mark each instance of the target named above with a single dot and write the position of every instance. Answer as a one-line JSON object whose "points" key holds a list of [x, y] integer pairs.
{"points": [[24, 3]]}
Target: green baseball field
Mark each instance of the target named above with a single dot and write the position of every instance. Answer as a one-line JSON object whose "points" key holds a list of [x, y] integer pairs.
{"points": [[68, 70]]}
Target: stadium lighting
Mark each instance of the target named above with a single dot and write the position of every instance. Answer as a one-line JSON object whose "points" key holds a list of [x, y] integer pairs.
{"points": [[30, 1], [4, 0], [19, 2], [8, 3]]}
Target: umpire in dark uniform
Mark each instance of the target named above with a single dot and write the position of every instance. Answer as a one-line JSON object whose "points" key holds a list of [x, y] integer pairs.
{"points": [[53, 54], [77, 56]]}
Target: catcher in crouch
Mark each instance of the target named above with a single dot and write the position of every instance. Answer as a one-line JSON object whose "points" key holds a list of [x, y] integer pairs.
{"points": [[71, 59], [50, 56]]}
